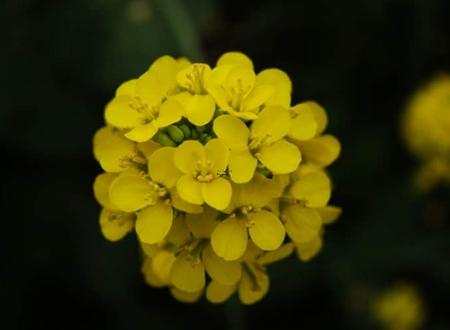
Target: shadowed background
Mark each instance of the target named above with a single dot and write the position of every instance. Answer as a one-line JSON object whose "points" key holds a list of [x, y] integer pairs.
{"points": [[60, 64]]}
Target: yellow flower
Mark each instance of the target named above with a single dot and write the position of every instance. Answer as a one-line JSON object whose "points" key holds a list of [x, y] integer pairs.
{"points": [[199, 106], [151, 195], [144, 105], [263, 141], [248, 218], [112, 150], [114, 224], [281, 84], [202, 166], [234, 86], [400, 308], [254, 282], [426, 130], [304, 210]]}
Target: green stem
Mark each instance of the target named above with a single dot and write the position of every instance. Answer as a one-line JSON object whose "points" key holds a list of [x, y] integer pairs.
{"points": [[183, 27]]}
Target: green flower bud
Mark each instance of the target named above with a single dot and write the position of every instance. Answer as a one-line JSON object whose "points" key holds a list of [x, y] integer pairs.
{"points": [[164, 140], [175, 133], [201, 129], [194, 134], [205, 138], [186, 131]]}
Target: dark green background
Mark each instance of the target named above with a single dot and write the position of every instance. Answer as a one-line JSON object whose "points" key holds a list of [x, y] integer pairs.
{"points": [[60, 63]]}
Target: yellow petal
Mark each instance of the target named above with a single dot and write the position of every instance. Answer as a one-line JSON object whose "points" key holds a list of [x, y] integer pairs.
{"points": [[119, 113], [185, 297], [202, 225], [217, 153], [253, 286], [162, 264], [245, 115], [179, 233], [257, 97], [150, 89], [183, 62], [302, 224], [320, 115], [191, 77], [101, 189], [149, 275], [229, 239], [162, 168], [148, 147], [242, 166], [272, 124], [219, 94], [329, 214], [200, 109], [224, 272], [190, 190], [237, 58], [188, 154], [115, 225], [307, 251], [280, 157], [142, 133], [187, 274], [259, 191], [252, 253], [154, 222], [218, 293], [169, 112], [182, 205], [232, 131], [313, 188], [127, 88], [282, 84], [111, 149], [165, 69], [131, 192], [322, 150], [149, 250], [273, 256], [217, 193], [303, 125], [241, 79], [267, 231]]}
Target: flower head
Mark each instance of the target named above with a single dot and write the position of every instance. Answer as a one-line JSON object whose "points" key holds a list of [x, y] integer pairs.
{"points": [[217, 173]]}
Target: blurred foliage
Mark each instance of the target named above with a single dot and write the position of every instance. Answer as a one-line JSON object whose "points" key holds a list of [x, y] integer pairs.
{"points": [[62, 60]]}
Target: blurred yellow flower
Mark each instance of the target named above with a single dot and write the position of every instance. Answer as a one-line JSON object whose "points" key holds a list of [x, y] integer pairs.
{"points": [[426, 129], [400, 308], [212, 167]]}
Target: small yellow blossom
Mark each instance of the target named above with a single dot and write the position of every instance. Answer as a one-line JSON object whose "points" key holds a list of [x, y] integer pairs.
{"points": [[234, 86], [262, 142], [201, 167], [217, 174], [199, 106], [400, 308], [247, 217], [426, 129]]}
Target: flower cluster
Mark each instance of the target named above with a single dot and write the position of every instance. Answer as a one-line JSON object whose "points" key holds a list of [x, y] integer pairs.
{"points": [[426, 128], [217, 173]]}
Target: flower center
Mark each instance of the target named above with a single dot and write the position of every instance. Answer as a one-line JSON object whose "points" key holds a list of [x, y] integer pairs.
{"points": [[149, 113], [196, 80], [255, 142], [204, 171]]}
